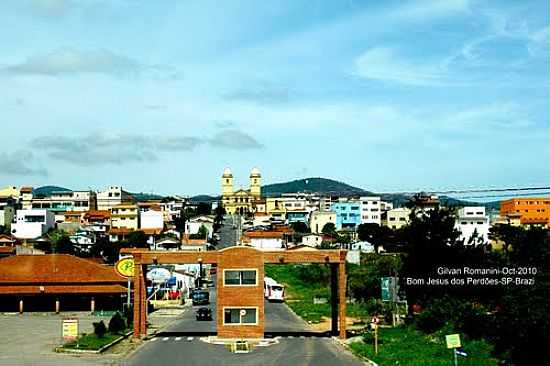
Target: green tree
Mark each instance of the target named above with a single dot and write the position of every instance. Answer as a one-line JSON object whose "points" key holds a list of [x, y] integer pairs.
{"points": [[135, 239], [375, 234], [204, 208], [329, 229], [300, 227], [108, 251], [64, 246]]}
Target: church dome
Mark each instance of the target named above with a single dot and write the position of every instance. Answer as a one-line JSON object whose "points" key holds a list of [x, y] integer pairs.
{"points": [[227, 172], [255, 172]]}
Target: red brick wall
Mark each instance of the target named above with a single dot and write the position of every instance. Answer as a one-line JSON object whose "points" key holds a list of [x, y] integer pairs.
{"points": [[241, 296]]}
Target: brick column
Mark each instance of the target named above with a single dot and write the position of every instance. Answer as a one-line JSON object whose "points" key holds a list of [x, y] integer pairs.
{"points": [[138, 301], [143, 292], [334, 298], [342, 296]]}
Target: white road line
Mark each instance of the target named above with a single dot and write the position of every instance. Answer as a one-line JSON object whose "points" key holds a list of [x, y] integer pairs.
{"points": [[178, 339], [165, 339], [153, 339], [290, 336], [189, 339], [302, 337]]}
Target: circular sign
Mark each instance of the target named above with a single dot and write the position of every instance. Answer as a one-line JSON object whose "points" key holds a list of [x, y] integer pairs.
{"points": [[243, 312], [125, 267]]}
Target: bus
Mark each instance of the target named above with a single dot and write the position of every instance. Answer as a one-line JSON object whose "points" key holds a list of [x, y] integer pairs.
{"points": [[273, 291]]}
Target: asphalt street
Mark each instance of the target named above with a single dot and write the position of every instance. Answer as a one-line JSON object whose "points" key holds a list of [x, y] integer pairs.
{"points": [[180, 344], [228, 232]]}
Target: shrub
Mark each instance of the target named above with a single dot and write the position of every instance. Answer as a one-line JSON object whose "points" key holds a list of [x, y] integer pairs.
{"points": [[100, 329], [117, 323]]}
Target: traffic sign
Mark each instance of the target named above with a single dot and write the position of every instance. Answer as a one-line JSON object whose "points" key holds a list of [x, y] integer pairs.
{"points": [[453, 340], [125, 267], [243, 312], [70, 329]]}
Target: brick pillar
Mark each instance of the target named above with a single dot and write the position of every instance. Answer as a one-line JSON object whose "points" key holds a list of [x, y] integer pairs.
{"points": [[342, 296], [143, 308], [138, 301], [334, 298]]}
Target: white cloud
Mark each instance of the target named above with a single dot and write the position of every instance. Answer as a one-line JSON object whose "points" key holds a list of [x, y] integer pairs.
{"points": [[73, 61], [429, 9], [20, 162], [383, 63]]}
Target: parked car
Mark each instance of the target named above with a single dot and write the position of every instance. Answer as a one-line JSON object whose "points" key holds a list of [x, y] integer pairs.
{"points": [[201, 297], [204, 314]]}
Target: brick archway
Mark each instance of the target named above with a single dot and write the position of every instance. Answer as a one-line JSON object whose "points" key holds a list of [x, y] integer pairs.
{"points": [[242, 295]]}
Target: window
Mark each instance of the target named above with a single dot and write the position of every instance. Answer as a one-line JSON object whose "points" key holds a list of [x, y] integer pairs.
{"points": [[392, 218], [236, 316], [246, 277]]}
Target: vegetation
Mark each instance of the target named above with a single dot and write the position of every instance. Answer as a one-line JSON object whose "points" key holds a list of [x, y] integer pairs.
{"points": [[321, 185], [406, 346], [91, 342], [202, 233], [300, 227], [135, 239], [118, 325], [100, 329]]}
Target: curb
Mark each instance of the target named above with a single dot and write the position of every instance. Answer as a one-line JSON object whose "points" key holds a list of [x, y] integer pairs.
{"points": [[348, 348], [93, 352]]}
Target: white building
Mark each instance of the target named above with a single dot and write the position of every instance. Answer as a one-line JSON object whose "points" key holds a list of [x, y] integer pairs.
{"points": [[318, 220], [62, 201], [266, 240], [31, 224], [193, 225], [111, 197], [472, 219], [363, 247], [312, 240], [371, 210], [151, 220]]}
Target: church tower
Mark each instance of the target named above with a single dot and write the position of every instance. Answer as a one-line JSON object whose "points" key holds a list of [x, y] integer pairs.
{"points": [[227, 182], [255, 183]]}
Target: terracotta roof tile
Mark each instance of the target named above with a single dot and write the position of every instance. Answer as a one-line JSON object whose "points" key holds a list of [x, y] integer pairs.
{"points": [[55, 268]]}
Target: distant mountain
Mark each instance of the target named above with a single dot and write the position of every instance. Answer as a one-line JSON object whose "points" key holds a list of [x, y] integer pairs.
{"points": [[317, 185], [204, 198], [47, 190], [140, 197]]}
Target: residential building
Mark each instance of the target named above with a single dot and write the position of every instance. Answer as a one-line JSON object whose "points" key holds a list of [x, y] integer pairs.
{"points": [[193, 225], [531, 211], [25, 197], [265, 240], [275, 207], [97, 221], [60, 202], [7, 215], [31, 224], [319, 219], [397, 218], [297, 216], [125, 216], [371, 210], [470, 220], [241, 201], [113, 196], [152, 219], [348, 214], [312, 240], [363, 247], [423, 202]]}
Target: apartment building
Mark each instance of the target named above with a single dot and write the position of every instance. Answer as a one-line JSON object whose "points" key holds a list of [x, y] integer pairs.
{"points": [[151, 220], [113, 196], [530, 211], [62, 201], [397, 218], [470, 220], [348, 214], [125, 216], [32, 224], [319, 219], [371, 210]]}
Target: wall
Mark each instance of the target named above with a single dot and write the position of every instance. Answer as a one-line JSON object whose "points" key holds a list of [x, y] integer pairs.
{"points": [[240, 296]]}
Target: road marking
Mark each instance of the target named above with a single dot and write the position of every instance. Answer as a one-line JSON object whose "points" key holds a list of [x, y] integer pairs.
{"points": [[189, 339], [290, 336], [165, 339], [178, 339], [153, 339], [302, 337]]}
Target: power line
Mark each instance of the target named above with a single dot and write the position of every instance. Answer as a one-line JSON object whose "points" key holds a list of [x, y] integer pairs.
{"points": [[480, 190]]}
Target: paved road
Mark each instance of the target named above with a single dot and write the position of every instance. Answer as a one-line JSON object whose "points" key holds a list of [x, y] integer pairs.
{"points": [[228, 232], [172, 347]]}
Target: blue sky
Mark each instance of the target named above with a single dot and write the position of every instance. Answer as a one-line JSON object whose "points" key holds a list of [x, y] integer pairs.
{"points": [[162, 95]]}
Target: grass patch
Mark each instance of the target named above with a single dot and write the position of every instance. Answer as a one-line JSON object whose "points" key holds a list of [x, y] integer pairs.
{"points": [[406, 346], [91, 342]]}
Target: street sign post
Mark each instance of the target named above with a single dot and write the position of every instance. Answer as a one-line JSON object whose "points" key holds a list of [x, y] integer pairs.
{"points": [[69, 328], [453, 341]]}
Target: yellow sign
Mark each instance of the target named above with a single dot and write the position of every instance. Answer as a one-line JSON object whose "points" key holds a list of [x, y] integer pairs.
{"points": [[453, 341], [125, 267], [70, 329]]}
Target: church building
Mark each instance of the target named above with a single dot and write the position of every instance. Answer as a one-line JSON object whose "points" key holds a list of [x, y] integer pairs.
{"points": [[242, 201]]}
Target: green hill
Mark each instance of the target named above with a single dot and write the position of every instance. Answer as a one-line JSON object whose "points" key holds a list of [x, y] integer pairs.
{"points": [[46, 191], [316, 185]]}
